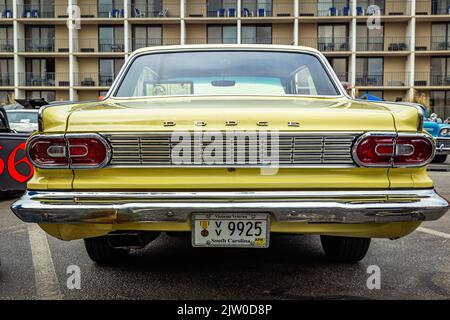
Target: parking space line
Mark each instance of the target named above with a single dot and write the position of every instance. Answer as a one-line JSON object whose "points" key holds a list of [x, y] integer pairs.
{"points": [[47, 285], [434, 232]]}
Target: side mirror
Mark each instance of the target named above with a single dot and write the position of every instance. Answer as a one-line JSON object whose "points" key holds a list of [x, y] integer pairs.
{"points": [[347, 87], [4, 124]]}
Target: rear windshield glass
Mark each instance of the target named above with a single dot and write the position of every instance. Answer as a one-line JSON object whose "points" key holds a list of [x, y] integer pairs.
{"points": [[226, 72]]}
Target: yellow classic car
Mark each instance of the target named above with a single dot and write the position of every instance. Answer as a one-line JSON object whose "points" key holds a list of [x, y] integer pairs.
{"points": [[230, 144]]}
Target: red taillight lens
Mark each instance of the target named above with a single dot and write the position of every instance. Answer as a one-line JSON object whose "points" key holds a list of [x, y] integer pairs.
{"points": [[86, 152], [48, 152], [386, 150], [71, 151], [413, 151]]}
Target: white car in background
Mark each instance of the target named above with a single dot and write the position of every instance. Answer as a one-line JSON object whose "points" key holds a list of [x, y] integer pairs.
{"points": [[23, 120]]}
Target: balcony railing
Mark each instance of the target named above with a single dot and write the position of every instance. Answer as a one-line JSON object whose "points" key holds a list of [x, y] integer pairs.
{"points": [[93, 79], [166, 9], [43, 11], [432, 43], [388, 8], [6, 79], [101, 11], [43, 45], [326, 43], [391, 79], [269, 9], [382, 44], [6, 45], [430, 7], [6, 12], [138, 43], [343, 76], [323, 9], [231, 40], [99, 45], [438, 79], [44, 79], [198, 10]]}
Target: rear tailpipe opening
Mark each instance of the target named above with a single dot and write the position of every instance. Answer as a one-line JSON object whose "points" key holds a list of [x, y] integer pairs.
{"points": [[131, 239]]}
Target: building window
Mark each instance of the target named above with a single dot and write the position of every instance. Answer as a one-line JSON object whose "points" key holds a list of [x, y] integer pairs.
{"points": [[6, 72], [369, 71], [146, 8], [6, 97], [221, 8], [340, 67], [108, 70], [110, 39], [110, 8], [6, 39], [49, 96], [260, 34], [222, 34], [440, 103], [39, 39], [333, 8], [147, 36], [38, 9], [440, 71], [369, 39], [257, 8], [440, 39], [440, 6], [40, 72], [332, 37], [362, 6]]}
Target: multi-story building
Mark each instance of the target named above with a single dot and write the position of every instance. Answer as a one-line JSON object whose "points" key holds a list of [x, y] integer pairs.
{"points": [[407, 54]]}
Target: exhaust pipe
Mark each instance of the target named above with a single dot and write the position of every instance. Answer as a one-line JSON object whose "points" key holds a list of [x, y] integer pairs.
{"points": [[131, 239]]}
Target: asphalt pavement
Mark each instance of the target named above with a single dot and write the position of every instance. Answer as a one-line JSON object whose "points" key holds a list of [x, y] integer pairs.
{"points": [[36, 266]]}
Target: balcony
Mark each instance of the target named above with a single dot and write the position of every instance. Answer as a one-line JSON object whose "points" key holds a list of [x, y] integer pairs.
{"points": [[165, 10], [388, 79], [44, 79], [433, 43], [200, 10], [42, 12], [93, 80], [342, 76], [331, 9], [386, 8], [6, 79], [44, 45], [268, 9], [429, 7], [6, 12], [101, 11], [432, 79], [382, 44], [326, 44], [99, 45], [6, 45], [138, 43]]}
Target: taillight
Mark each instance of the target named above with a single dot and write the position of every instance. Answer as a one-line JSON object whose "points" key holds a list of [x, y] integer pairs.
{"points": [[69, 151], [393, 150]]}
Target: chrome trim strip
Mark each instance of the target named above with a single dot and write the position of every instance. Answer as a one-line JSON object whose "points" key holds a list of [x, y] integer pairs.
{"points": [[361, 206]]}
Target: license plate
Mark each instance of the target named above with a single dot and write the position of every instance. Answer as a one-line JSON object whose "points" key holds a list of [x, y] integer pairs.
{"points": [[231, 230]]}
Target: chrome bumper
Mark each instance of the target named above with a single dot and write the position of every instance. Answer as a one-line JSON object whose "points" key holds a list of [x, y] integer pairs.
{"points": [[378, 206], [443, 145]]}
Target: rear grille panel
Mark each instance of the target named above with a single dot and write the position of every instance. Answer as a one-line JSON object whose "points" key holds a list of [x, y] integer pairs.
{"points": [[295, 150]]}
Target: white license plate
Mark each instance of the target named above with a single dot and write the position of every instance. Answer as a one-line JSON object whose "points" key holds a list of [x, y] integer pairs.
{"points": [[231, 230]]}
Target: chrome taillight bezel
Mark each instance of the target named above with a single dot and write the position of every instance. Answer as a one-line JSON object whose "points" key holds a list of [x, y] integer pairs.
{"points": [[66, 138], [394, 136]]}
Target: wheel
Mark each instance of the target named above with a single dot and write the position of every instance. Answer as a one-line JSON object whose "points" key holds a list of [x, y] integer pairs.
{"points": [[101, 252], [439, 158], [345, 249]]}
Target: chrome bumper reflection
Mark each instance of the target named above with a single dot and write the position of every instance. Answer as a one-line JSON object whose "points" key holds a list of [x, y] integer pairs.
{"points": [[443, 145], [297, 206]]}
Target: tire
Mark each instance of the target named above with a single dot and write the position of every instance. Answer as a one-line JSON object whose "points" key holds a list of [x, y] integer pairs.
{"points": [[345, 249], [101, 252], [439, 158]]}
